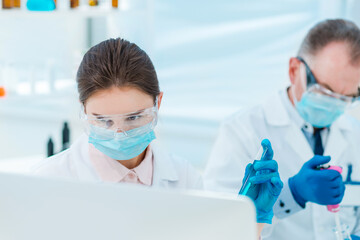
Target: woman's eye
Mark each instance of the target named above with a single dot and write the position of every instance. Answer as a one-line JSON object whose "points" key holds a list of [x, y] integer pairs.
{"points": [[133, 118], [105, 122]]}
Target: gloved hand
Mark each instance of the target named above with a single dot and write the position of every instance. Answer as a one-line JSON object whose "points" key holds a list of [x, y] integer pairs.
{"points": [[322, 187], [353, 237], [265, 186]]}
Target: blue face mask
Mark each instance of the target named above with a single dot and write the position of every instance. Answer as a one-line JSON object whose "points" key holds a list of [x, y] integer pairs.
{"points": [[123, 147], [319, 110]]}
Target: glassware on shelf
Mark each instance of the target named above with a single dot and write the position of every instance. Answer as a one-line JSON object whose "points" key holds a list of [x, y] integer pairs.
{"points": [[16, 3], [7, 4], [74, 3], [93, 3], [115, 3]]}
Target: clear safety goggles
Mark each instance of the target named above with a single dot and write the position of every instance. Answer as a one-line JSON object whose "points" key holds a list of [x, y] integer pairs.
{"points": [[106, 127], [314, 87], [345, 101]]}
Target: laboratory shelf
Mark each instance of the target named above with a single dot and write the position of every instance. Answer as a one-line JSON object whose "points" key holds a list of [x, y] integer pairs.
{"points": [[51, 107], [81, 12]]}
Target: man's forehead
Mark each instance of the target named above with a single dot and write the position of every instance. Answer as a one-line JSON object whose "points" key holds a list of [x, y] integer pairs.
{"points": [[335, 53]]}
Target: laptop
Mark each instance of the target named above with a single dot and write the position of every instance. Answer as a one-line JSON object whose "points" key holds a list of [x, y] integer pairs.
{"points": [[55, 209]]}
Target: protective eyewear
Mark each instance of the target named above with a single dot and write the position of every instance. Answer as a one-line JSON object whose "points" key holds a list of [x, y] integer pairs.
{"points": [[314, 86], [121, 125]]}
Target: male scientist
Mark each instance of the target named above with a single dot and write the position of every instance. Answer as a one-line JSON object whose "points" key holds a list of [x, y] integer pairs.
{"points": [[309, 129]]}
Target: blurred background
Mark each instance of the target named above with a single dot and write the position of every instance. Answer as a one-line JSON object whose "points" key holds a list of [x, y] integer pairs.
{"points": [[213, 58]]}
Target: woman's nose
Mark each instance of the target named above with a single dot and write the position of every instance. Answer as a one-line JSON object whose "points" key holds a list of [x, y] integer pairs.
{"points": [[119, 130]]}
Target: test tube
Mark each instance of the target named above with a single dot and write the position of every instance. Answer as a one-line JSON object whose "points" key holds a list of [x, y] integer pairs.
{"points": [[246, 185]]}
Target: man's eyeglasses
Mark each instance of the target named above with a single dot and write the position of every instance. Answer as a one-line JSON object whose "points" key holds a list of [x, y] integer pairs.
{"points": [[312, 84]]}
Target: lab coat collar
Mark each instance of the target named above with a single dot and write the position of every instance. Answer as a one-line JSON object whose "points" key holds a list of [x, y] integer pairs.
{"points": [[293, 113], [343, 123], [337, 142], [275, 111]]}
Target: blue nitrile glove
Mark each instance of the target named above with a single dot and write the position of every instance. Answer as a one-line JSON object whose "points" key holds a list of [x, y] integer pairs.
{"points": [[353, 237], [266, 185], [322, 187]]}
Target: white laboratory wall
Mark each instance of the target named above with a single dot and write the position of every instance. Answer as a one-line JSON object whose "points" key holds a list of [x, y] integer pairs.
{"points": [[212, 58]]}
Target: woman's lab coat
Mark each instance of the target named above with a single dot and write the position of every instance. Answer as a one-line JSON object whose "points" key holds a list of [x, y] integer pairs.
{"points": [[238, 142], [74, 163]]}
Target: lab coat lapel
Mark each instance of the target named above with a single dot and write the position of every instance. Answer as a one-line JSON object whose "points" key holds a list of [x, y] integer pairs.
{"points": [[164, 169], [336, 143], [80, 154], [297, 141]]}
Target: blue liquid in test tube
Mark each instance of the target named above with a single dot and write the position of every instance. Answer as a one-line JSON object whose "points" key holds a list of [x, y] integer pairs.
{"points": [[247, 184]]}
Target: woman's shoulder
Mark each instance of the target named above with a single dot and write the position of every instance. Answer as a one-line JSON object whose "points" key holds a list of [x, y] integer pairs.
{"points": [[64, 163], [59, 165]]}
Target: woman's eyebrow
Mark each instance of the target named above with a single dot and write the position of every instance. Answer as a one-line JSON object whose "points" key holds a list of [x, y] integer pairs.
{"points": [[137, 112], [129, 114]]}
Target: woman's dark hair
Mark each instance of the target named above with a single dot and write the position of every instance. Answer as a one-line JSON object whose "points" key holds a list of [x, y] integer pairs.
{"points": [[332, 30], [116, 63]]}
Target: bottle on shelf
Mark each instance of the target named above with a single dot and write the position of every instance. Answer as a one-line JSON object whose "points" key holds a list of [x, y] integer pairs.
{"points": [[2, 92], [115, 3], [16, 3], [7, 4], [74, 3], [93, 3], [65, 136], [50, 147]]}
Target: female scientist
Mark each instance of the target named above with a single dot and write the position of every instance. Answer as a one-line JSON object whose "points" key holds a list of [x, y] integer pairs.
{"points": [[120, 97]]}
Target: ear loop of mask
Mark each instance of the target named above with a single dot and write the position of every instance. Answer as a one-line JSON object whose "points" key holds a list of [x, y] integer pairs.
{"points": [[156, 111]]}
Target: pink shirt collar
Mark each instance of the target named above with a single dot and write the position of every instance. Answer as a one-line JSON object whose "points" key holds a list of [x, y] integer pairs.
{"points": [[110, 170]]}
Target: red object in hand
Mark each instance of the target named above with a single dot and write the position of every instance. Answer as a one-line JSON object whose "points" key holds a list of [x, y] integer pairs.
{"points": [[332, 208]]}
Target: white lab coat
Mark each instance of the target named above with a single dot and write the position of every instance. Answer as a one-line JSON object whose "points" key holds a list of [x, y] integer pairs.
{"points": [[238, 142], [74, 163]]}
